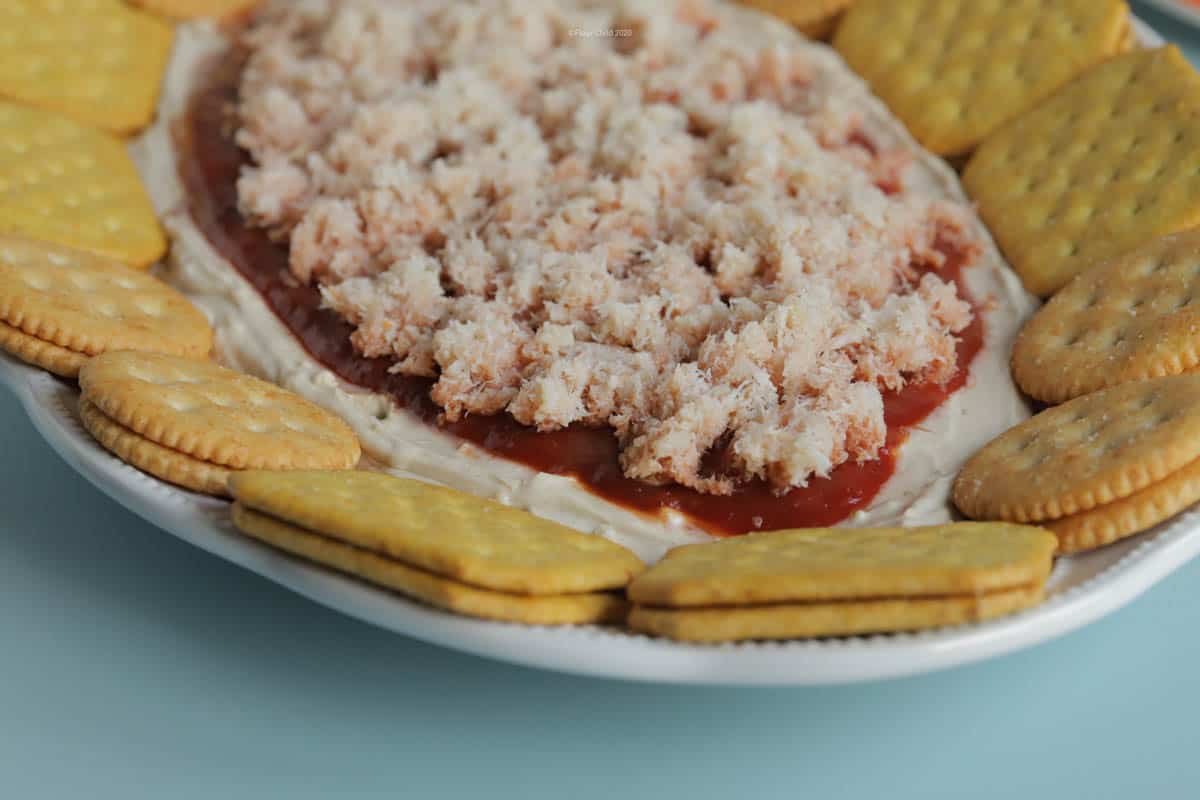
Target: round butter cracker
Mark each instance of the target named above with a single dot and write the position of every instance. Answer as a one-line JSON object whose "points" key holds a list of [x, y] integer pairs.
{"points": [[89, 304], [1085, 453], [215, 414], [1129, 515], [32, 350], [161, 462], [1129, 318]]}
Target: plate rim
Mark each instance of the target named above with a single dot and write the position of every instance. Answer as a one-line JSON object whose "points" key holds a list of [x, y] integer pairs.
{"points": [[588, 650], [202, 522]]}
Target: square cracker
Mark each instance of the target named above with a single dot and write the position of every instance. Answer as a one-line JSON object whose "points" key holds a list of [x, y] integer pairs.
{"points": [[439, 530], [1106, 164], [570, 609], [956, 70], [848, 563], [97, 61], [71, 185], [803, 620]]}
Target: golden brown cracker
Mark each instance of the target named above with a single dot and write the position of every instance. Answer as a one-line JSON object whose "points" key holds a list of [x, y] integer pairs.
{"points": [[97, 61], [67, 184], [1108, 163], [1129, 37], [195, 9], [1130, 515], [215, 414], [1129, 318], [956, 70], [1084, 453], [161, 462], [439, 530], [32, 350], [88, 304], [849, 618], [436, 590], [847, 563], [814, 18]]}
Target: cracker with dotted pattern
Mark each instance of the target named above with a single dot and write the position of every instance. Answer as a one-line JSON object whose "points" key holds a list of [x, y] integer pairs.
{"points": [[439, 530], [1085, 453], [86, 305], [32, 350], [71, 185], [161, 462], [215, 414], [1108, 163], [849, 618], [1129, 318], [1130, 515], [97, 61], [813, 18], [436, 590], [956, 70], [195, 9], [820, 564]]}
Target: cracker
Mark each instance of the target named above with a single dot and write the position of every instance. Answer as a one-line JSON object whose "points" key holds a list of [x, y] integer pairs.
{"points": [[1129, 318], [1085, 453], [1130, 515], [89, 304], [32, 350], [814, 18], [1108, 163], [439, 530], [566, 609], [1129, 37], [956, 70], [214, 414], [64, 183], [801, 620], [97, 61], [161, 462], [194, 9], [847, 563]]}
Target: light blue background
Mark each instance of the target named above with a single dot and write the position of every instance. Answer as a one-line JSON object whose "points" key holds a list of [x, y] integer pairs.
{"points": [[134, 666]]}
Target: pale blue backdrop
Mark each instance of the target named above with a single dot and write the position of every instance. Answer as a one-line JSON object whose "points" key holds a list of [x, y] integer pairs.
{"points": [[134, 666]]}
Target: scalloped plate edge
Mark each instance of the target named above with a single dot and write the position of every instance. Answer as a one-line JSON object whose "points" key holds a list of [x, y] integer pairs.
{"points": [[1113, 578], [1117, 579]]}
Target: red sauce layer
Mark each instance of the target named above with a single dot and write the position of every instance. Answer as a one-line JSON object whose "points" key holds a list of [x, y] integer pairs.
{"points": [[210, 168]]}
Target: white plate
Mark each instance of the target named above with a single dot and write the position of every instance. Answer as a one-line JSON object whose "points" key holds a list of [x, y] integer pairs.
{"points": [[1082, 588], [1177, 9]]}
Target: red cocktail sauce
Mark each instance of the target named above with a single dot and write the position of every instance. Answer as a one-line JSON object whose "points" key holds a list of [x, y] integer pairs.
{"points": [[210, 166]]}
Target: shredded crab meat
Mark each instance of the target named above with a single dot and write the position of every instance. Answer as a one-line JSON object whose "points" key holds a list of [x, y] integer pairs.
{"points": [[652, 216]]}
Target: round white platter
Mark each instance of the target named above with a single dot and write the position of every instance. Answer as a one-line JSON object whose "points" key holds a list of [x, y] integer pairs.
{"points": [[1082, 589]]}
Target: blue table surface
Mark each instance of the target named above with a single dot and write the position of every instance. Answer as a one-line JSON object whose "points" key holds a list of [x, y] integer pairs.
{"points": [[132, 665]]}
